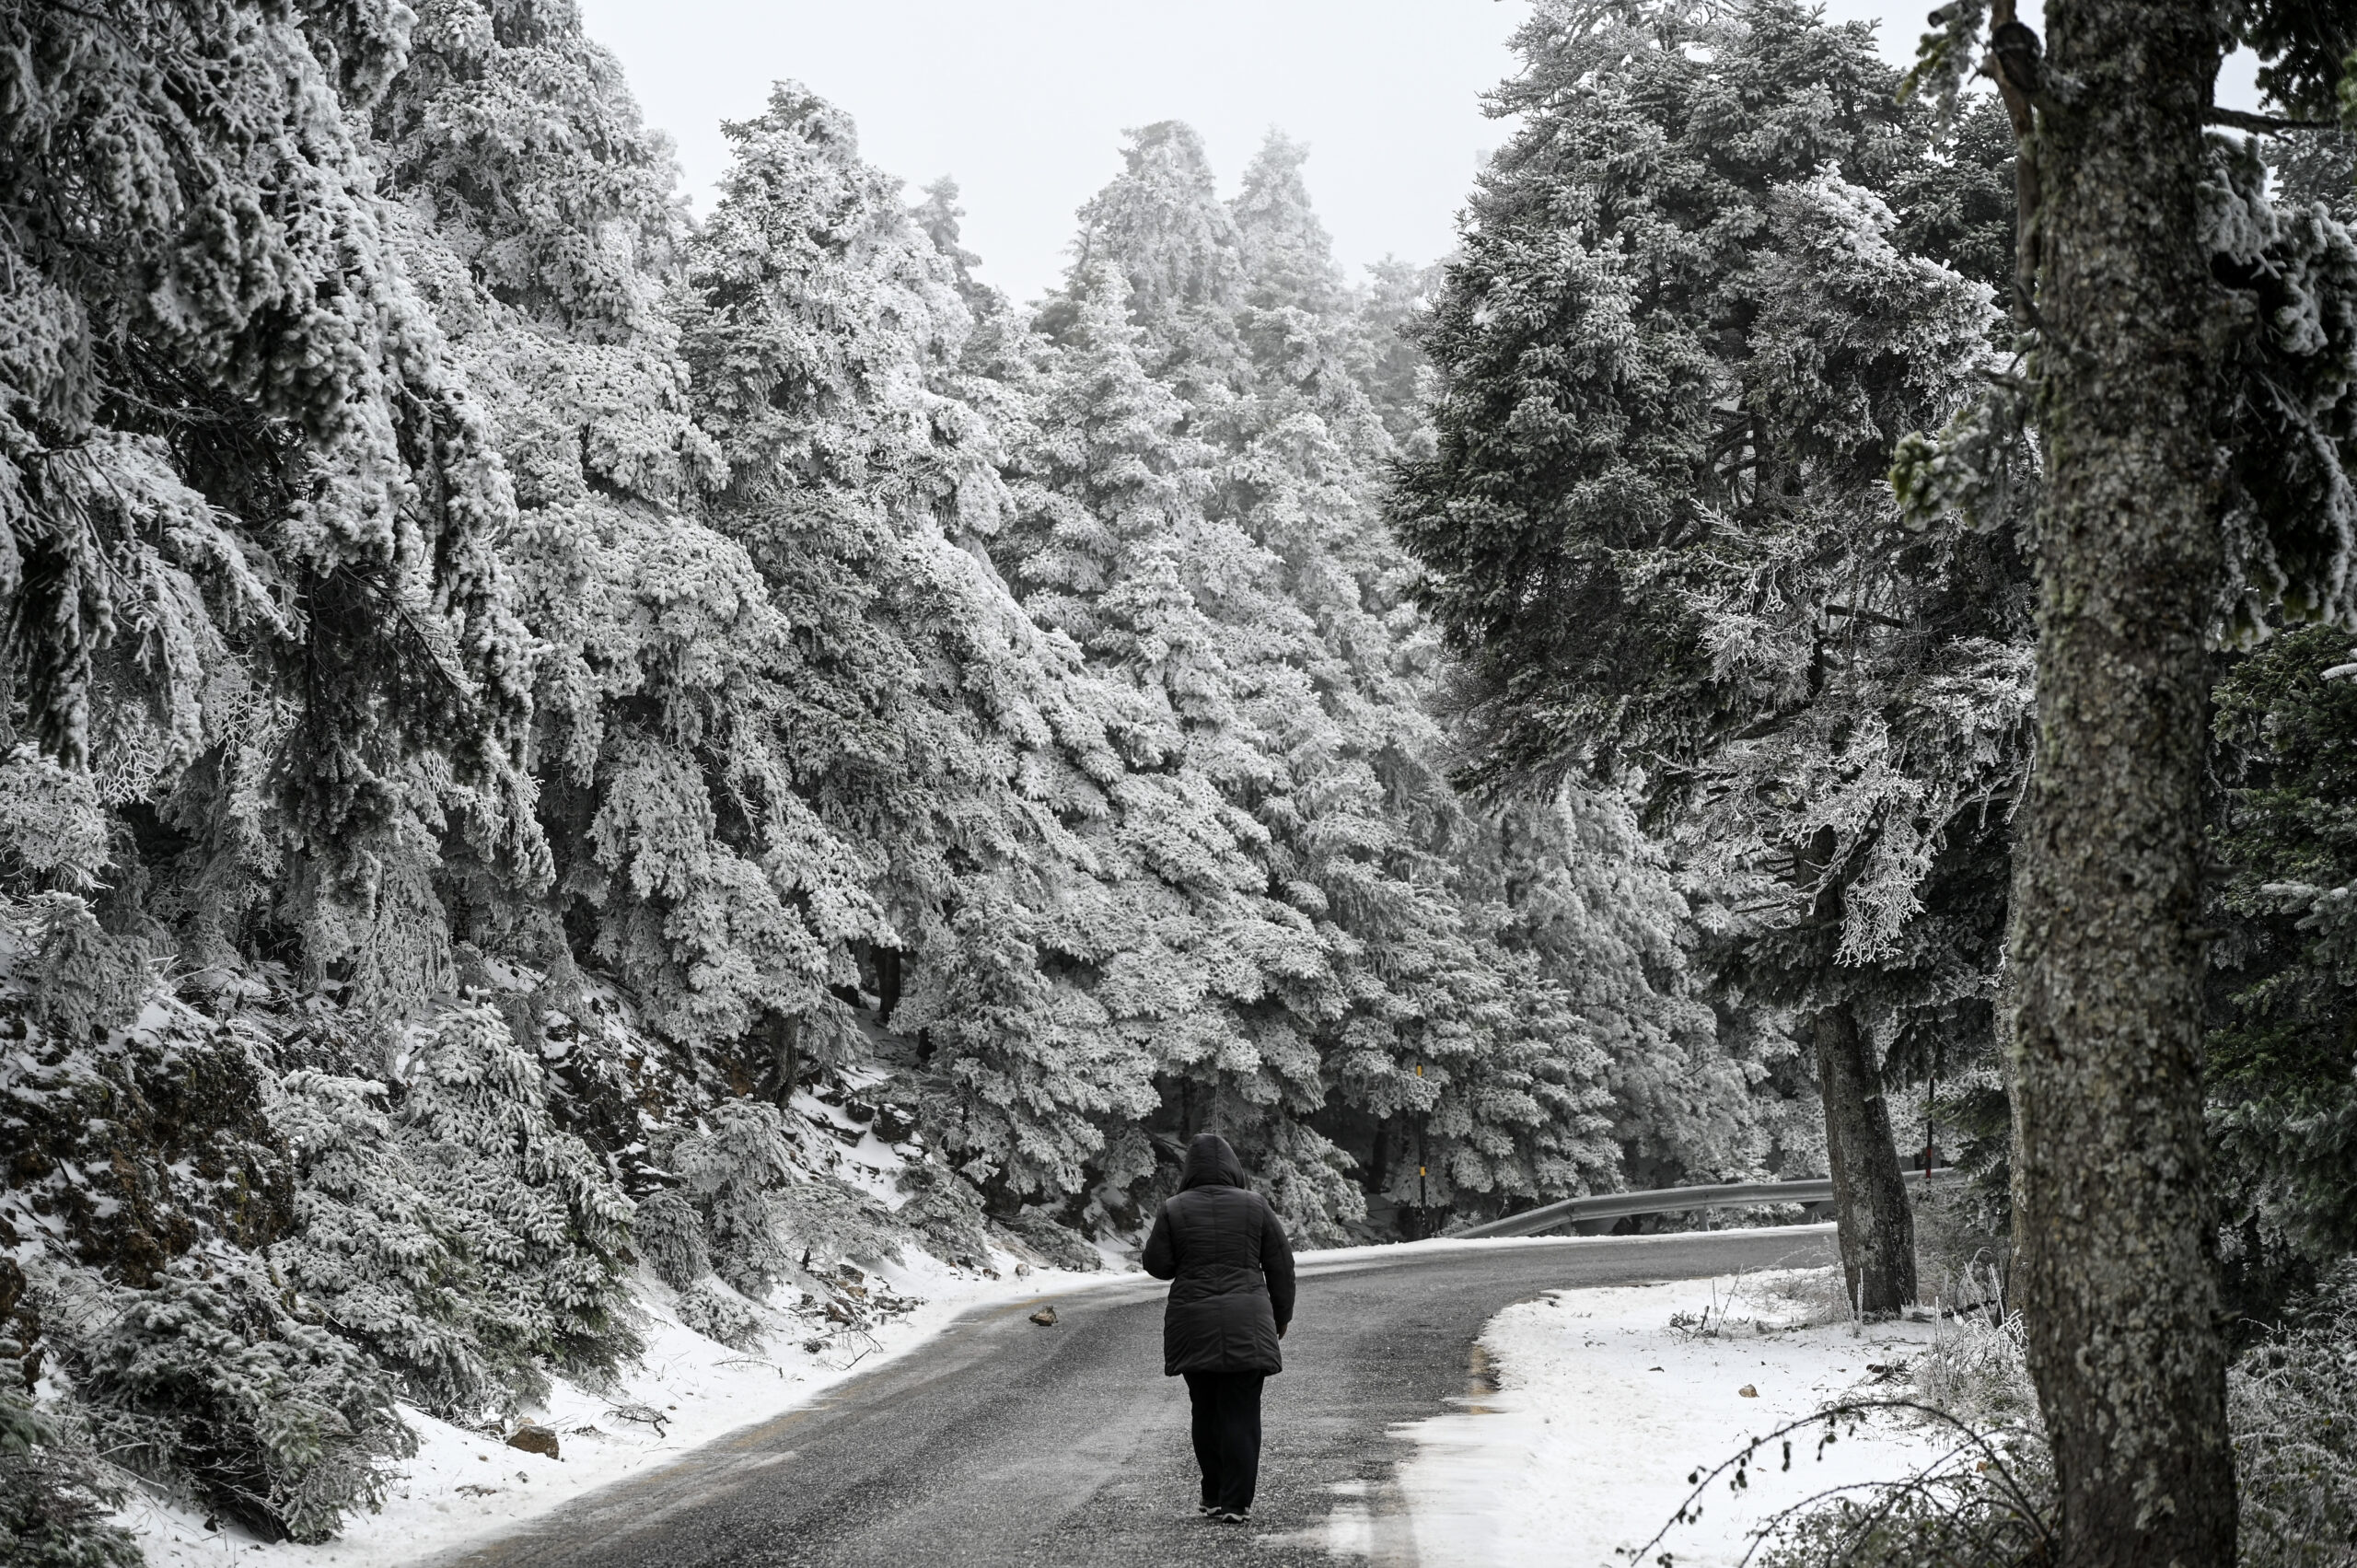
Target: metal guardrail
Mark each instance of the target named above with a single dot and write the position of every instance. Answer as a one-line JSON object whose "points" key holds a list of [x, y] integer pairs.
{"points": [[1670, 1201]]}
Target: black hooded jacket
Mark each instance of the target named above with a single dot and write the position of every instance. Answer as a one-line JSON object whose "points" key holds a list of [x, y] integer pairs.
{"points": [[1219, 1246]]}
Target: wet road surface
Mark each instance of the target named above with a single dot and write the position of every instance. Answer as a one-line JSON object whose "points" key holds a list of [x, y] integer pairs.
{"points": [[1002, 1444]]}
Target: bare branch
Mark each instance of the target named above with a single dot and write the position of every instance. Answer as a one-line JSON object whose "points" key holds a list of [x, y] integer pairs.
{"points": [[1874, 616], [2270, 123]]}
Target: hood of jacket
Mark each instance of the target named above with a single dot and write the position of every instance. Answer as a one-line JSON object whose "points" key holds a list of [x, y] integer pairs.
{"points": [[1211, 1163]]}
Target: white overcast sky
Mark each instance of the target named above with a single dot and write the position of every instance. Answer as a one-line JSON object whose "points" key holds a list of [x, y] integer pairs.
{"points": [[1024, 102]]}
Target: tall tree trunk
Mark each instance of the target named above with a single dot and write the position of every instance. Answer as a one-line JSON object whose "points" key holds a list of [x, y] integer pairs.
{"points": [[1872, 1223], [1871, 1218], [2113, 1231]]}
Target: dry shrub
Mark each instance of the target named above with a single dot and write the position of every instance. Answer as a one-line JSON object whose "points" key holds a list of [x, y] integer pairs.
{"points": [[1977, 1370], [2292, 1404], [1963, 1255], [1986, 1502], [1823, 1298]]}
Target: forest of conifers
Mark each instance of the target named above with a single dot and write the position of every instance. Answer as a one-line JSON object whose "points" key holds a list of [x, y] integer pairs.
{"points": [[508, 687]]}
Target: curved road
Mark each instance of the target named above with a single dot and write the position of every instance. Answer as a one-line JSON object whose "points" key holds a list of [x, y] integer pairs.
{"points": [[1002, 1444]]}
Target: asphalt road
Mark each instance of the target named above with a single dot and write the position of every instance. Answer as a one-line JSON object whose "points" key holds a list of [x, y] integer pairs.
{"points": [[1004, 1445]]}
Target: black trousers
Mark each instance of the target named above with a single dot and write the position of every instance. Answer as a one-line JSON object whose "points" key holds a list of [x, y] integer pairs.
{"points": [[1227, 1435]]}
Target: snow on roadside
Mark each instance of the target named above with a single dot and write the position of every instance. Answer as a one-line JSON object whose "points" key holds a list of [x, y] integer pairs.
{"points": [[464, 1487], [1609, 1398]]}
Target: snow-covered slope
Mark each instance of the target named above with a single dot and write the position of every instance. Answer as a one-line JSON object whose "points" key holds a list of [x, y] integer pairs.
{"points": [[465, 1486]]}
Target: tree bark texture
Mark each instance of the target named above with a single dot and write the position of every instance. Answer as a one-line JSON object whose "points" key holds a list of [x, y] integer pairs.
{"points": [[1872, 1219], [1873, 1225], [2117, 1275]]}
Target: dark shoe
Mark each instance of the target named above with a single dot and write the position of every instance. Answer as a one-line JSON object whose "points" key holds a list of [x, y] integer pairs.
{"points": [[1232, 1515]]}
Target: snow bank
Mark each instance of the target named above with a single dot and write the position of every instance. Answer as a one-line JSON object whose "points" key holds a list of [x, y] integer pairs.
{"points": [[464, 1487], [1607, 1399]]}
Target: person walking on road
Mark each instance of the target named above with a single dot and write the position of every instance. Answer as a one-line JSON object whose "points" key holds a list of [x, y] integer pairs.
{"points": [[1230, 1270]]}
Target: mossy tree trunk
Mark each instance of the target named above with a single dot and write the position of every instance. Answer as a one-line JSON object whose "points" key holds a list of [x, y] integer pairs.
{"points": [[1874, 1227], [2113, 1231]]}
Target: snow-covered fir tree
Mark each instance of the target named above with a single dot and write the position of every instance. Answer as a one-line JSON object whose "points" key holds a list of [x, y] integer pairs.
{"points": [[1669, 396]]}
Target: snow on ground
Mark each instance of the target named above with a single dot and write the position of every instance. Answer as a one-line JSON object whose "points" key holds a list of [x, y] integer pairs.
{"points": [[465, 1486], [1609, 1398]]}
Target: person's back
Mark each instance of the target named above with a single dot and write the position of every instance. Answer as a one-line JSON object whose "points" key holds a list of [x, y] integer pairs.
{"points": [[1220, 1245]]}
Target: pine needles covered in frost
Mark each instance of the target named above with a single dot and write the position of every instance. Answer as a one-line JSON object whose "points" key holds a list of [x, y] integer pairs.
{"points": [[379, 1255], [944, 1213], [541, 1215], [764, 1216], [205, 1383], [449, 1223], [1038, 1229], [54, 1495], [834, 1223], [669, 1233], [711, 1310]]}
